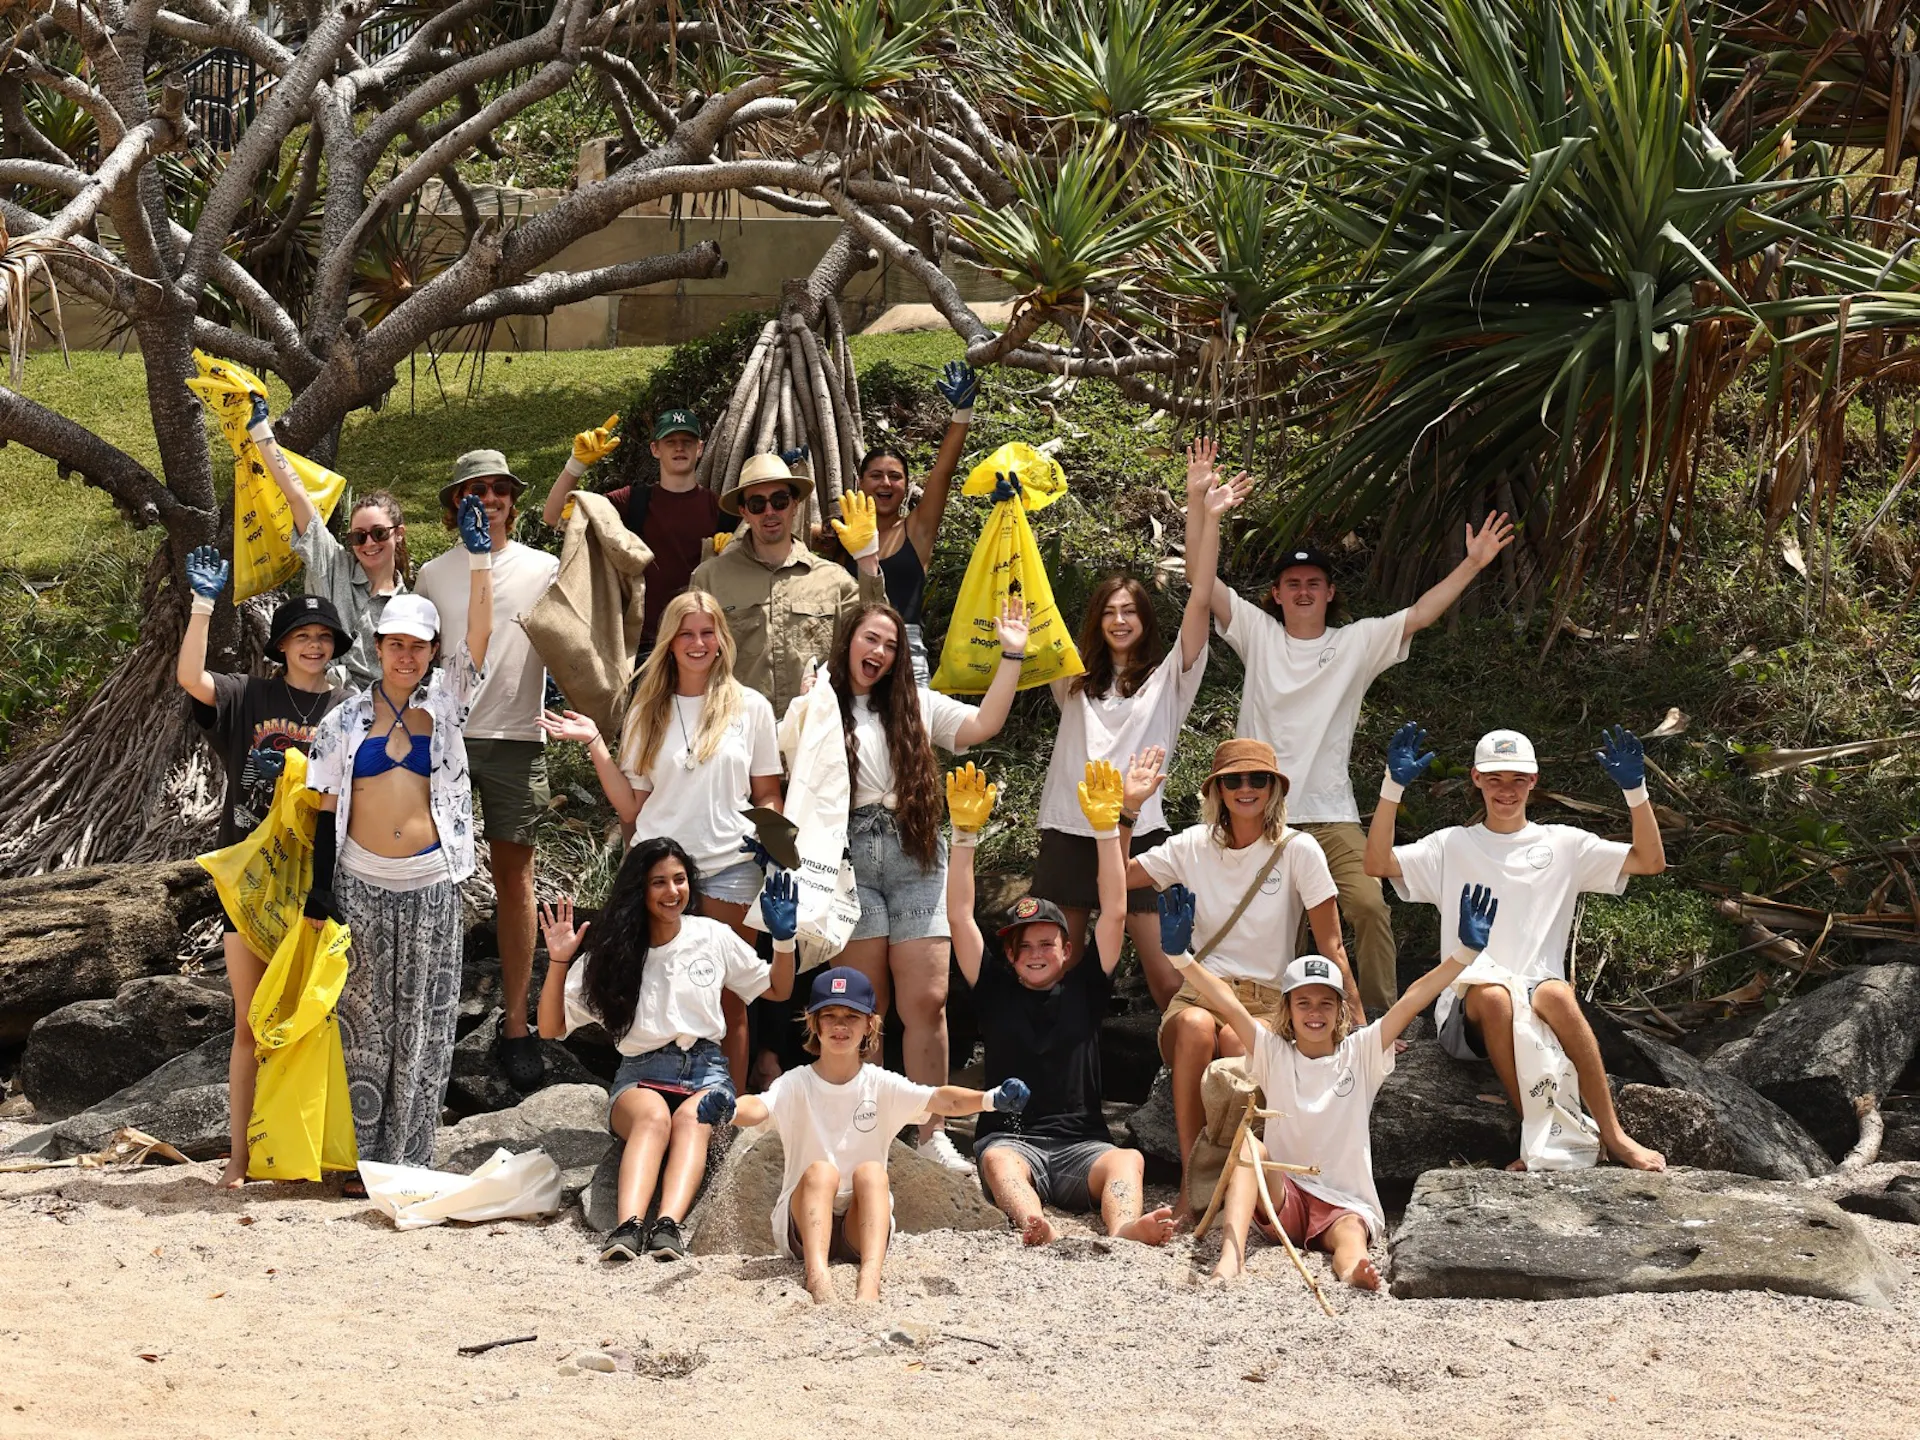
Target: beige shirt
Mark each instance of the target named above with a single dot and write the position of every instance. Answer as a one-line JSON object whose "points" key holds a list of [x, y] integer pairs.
{"points": [[782, 618]]}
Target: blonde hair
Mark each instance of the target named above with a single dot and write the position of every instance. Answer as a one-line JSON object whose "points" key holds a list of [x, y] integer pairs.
{"points": [[1283, 1021], [1213, 813], [869, 1044], [645, 723]]}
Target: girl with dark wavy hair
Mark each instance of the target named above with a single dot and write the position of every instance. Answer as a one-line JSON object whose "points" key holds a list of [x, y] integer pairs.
{"points": [[653, 974], [899, 855]]}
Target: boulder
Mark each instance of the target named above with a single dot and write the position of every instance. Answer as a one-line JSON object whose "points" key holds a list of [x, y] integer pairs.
{"points": [[1150, 1129], [480, 1086], [1902, 1138], [1754, 1136], [1435, 1111], [569, 1122], [600, 1202], [184, 1103], [86, 1051], [1493, 1235], [1898, 1202], [1130, 1055], [1678, 1123], [1812, 1057], [81, 934]]}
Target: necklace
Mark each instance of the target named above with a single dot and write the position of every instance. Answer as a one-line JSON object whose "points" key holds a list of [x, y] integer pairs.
{"points": [[300, 712], [687, 761]]}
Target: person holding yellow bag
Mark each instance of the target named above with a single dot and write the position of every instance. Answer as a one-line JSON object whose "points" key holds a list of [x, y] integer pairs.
{"points": [[251, 721]]}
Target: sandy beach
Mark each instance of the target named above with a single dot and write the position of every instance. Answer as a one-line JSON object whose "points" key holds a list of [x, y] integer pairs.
{"points": [[148, 1303]]}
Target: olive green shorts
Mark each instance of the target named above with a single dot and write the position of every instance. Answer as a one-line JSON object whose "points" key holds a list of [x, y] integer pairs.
{"points": [[510, 782]]}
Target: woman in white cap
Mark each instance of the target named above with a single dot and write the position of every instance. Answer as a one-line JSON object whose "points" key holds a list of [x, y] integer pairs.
{"points": [[392, 765]]}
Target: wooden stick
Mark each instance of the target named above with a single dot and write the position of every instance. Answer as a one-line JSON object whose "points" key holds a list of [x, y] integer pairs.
{"points": [[715, 459], [769, 400], [1266, 1198], [788, 436], [1226, 1173], [826, 459], [1284, 1168], [487, 1345]]}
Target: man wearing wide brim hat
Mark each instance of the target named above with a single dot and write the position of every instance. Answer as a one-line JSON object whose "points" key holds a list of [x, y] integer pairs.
{"points": [[506, 749], [782, 601]]}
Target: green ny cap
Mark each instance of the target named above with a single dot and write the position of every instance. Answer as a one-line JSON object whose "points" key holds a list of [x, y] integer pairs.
{"points": [[676, 422]]}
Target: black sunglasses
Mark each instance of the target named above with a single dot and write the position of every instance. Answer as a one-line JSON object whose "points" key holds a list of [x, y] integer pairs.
{"points": [[373, 533], [758, 504], [502, 487], [1260, 780]]}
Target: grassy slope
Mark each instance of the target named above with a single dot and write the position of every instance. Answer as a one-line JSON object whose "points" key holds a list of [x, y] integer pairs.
{"points": [[1743, 659]]}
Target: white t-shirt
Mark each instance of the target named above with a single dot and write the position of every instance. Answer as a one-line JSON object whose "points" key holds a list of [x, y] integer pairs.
{"points": [[1537, 874], [507, 705], [1324, 1106], [941, 714], [680, 988], [701, 807], [1261, 944], [845, 1125], [1303, 698], [1112, 728]]}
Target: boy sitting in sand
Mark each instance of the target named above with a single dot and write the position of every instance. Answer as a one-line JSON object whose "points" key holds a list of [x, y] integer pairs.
{"points": [[1040, 1008], [837, 1118], [1319, 1076]]}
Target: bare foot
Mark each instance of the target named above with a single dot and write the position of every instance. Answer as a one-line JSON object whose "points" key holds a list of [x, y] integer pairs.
{"points": [[867, 1292], [1632, 1154], [1361, 1275], [1517, 1166], [235, 1175], [1037, 1231], [820, 1287], [1153, 1228], [1226, 1271]]}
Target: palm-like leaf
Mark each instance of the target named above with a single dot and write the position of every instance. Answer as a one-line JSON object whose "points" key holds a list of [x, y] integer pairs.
{"points": [[843, 55]]}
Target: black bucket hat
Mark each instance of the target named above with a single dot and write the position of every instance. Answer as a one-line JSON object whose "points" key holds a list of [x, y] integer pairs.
{"points": [[290, 615]]}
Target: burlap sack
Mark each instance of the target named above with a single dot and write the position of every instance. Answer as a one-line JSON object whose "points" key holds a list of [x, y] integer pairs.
{"points": [[1223, 1091]]}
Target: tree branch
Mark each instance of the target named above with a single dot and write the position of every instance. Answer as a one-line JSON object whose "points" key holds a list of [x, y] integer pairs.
{"points": [[135, 491], [544, 293]]}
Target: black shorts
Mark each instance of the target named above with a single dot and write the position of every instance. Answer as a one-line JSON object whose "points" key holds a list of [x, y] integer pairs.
{"points": [[1067, 872], [1059, 1168]]}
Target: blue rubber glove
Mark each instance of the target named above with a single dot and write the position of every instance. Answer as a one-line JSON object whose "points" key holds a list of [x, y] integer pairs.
{"points": [[1005, 487], [958, 384], [715, 1106], [206, 572], [762, 856], [474, 532], [1011, 1098], [795, 455], [1176, 920], [259, 416], [263, 766], [1477, 909], [1405, 763], [1624, 757], [780, 905]]}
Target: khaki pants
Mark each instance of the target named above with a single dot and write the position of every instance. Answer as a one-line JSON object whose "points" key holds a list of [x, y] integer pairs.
{"points": [[1262, 1002], [1363, 905]]}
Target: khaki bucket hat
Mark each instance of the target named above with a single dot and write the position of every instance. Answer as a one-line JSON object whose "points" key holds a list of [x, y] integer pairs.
{"points": [[478, 465], [758, 470]]}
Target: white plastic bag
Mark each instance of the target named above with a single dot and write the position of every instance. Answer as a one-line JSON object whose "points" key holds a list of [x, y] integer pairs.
{"points": [[505, 1187], [1555, 1132], [819, 794]]}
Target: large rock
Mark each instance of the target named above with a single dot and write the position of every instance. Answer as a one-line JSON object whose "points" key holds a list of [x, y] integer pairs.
{"points": [[81, 934], [734, 1214], [84, 1052], [1813, 1056], [1749, 1134], [184, 1103], [480, 1086], [569, 1122], [1435, 1111], [1902, 1140], [1150, 1129], [1899, 1201], [1130, 1055], [1489, 1234]]}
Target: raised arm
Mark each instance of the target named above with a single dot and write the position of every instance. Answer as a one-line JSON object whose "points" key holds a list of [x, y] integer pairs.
{"points": [[1103, 802], [969, 802], [478, 540], [1144, 776], [206, 576], [1477, 909], [991, 714], [961, 387], [859, 530], [1405, 764], [614, 784], [1176, 939], [1482, 546], [1625, 759], [260, 431], [1201, 455], [589, 447], [1207, 509], [563, 943]]}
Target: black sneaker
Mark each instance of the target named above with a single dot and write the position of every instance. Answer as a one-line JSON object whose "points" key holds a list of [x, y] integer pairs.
{"points": [[663, 1240], [626, 1241], [521, 1058]]}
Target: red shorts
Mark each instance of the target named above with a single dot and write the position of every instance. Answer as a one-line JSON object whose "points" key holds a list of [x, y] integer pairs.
{"points": [[1306, 1217]]}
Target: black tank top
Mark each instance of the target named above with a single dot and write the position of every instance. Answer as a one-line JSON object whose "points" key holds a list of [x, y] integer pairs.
{"points": [[906, 581]]}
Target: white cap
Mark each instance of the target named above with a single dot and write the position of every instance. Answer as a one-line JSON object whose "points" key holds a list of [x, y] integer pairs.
{"points": [[1311, 970], [1505, 750], [413, 615]]}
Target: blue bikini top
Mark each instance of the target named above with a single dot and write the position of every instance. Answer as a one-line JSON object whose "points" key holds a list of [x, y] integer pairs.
{"points": [[372, 759]]}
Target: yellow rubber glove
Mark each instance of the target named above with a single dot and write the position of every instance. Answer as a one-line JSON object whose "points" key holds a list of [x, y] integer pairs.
{"points": [[969, 801], [1100, 797], [721, 541], [858, 526], [592, 446]]}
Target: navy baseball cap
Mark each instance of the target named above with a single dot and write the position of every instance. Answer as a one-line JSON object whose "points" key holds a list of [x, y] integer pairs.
{"points": [[1305, 554], [842, 985]]}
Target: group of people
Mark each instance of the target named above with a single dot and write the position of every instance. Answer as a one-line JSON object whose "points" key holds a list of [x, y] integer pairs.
{"points": [[413, 693]]}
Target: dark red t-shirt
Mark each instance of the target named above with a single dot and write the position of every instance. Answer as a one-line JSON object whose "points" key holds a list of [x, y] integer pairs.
{"points": [[677, 523]]}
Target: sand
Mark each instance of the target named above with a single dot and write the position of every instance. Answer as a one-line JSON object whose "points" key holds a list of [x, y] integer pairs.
{"points": [[147, 1302]]}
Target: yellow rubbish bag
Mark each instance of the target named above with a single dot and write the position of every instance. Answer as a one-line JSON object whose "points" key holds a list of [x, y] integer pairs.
{"points": [[263, 557], [263, 879], [302, 1120], [1006, 562]]}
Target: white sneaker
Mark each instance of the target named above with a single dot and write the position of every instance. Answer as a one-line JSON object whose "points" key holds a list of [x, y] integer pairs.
{"points": [[939, 1149]]}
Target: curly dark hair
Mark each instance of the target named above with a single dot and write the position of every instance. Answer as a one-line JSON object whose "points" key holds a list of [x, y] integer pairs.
{"points": [[615, 950], [1102, 674], [916, 779]]}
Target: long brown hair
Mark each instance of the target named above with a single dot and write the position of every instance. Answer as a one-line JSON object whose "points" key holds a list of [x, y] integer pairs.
{"points": [[916, 779], [390, 503], [1102, 674]]}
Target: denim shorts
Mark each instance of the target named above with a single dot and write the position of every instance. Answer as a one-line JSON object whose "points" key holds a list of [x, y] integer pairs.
{"points": [[898, 897], [673, 1073], [735, 885]]}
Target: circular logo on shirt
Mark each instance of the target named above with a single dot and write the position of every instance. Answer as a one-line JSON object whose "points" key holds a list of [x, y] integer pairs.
{"points": [[1539, 856], [1271, 885], [865, 1116], [1326, 656], [702, 971], [1343, 1085]]}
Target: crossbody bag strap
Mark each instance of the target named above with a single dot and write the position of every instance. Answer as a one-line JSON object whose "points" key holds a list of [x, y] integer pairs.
{"points": [[1214, 940]]}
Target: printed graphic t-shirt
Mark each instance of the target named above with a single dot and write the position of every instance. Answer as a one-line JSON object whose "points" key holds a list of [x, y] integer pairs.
{"points": [[254, 713]]}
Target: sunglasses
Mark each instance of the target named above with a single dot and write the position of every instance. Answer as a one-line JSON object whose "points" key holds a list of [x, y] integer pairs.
{"points": [[373, 534], [502, 487], [1259, 781], [778, 501]]}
